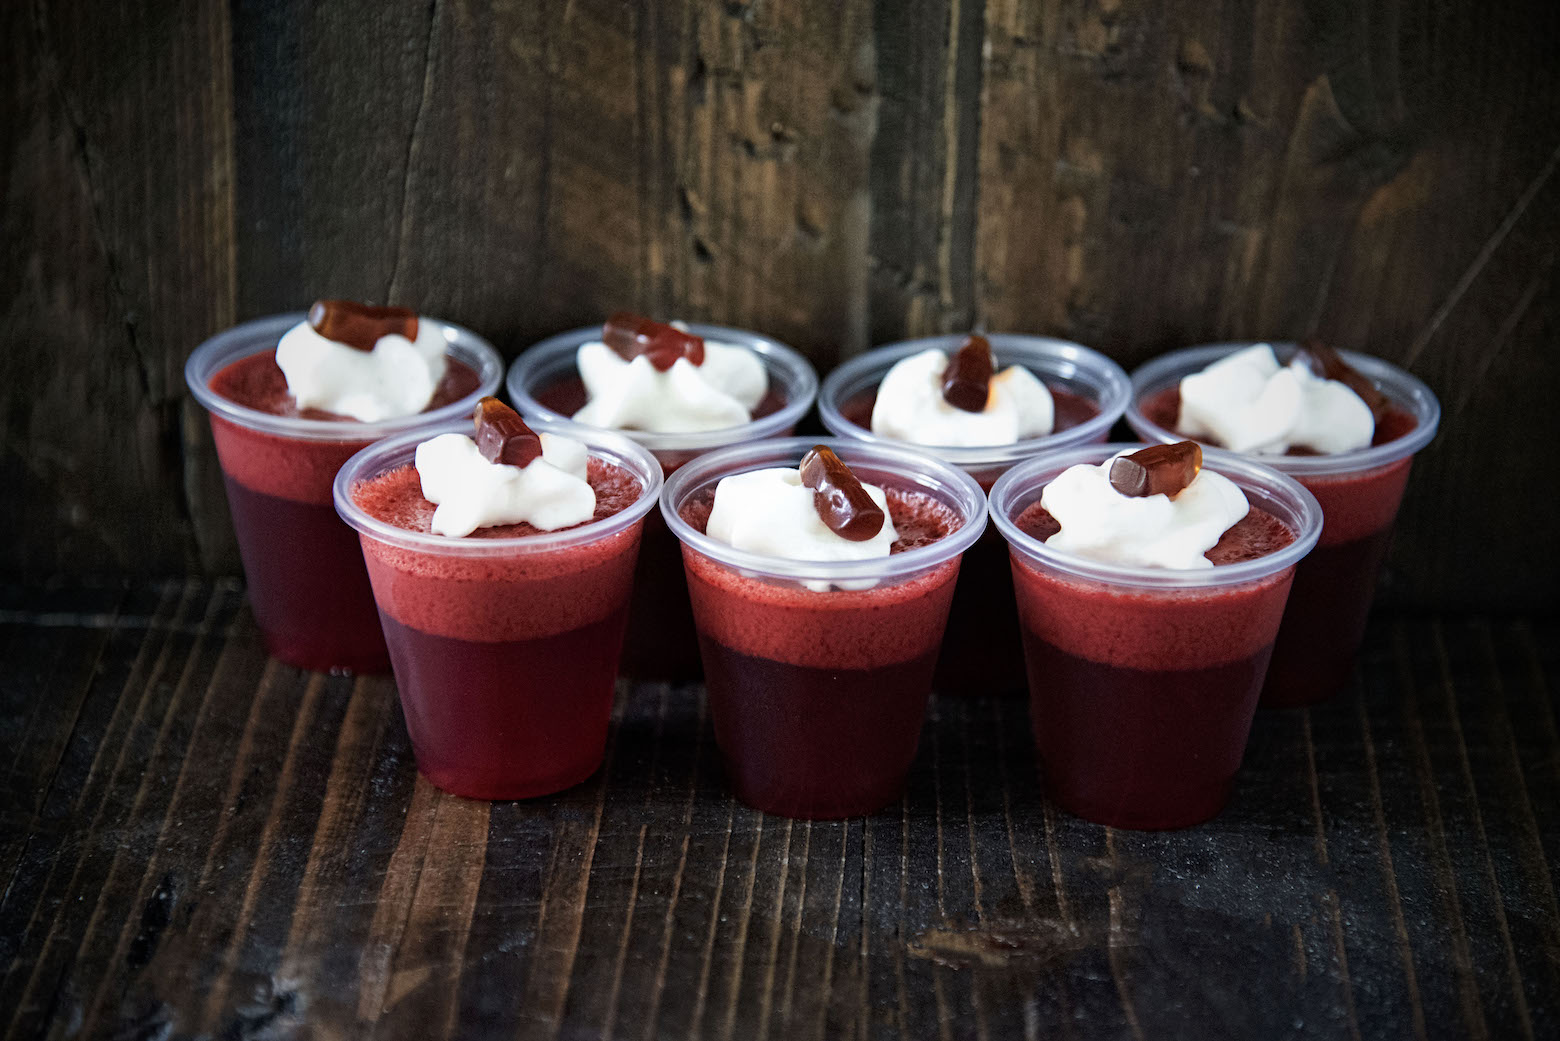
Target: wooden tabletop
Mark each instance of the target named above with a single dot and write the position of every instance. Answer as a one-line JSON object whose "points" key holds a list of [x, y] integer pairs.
{"points": [[196, 841]]}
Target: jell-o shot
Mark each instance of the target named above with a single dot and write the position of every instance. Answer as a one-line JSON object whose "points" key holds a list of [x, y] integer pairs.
{"points": [[1347, 427], [820, 576], [680, 390], [1150, 588], [501, 556], [983, 403], [291, 398]]}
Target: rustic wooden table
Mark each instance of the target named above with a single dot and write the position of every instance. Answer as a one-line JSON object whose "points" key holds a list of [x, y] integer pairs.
{"points": [[197, 841]]}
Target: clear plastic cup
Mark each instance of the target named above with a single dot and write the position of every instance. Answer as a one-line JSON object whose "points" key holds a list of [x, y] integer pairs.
{"points": [[1359, 491], [818, 694], [307, 586], [543, 382], [981, 652], [505, 649], [1143, 681]]}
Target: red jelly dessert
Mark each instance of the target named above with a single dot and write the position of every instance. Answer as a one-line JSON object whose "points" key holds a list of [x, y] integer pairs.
{"points": [[807, 689], [817, 694], [661, 642], [1143, 681], [307, 586], [982, 653], [504, 642], [1360, 493]]}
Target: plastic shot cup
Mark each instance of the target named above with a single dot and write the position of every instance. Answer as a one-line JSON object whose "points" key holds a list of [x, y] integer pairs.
{"points": [[819, 672], [505, 649], [544, 383], [981, 652], [1143, 681], [1360, 492], [307, 586]]}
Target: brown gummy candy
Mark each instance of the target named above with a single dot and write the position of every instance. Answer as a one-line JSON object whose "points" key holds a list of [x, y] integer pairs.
{"points": [[842, 503], [360, 326], [632, 335], [966, 382], [1327, 363], [1157, 470], [502, 436]]}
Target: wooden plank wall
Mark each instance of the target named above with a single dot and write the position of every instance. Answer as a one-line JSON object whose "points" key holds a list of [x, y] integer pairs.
{"points": [[1130, 174]]}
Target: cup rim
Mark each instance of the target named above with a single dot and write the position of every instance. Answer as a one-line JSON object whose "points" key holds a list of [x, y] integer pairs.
{"points": [[922, 471], [1061, 359], [260, 334], [1249, 474], [781, 361], [1404, 389], [392, 452]]}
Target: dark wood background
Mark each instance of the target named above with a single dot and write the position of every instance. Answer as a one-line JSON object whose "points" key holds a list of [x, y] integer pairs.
{"points": [[1133, 175]]}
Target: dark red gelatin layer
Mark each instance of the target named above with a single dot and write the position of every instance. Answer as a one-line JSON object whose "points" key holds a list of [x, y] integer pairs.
{"points": [[505, 662], [837, 680], [1140, 748], [1324, 623], [507, 720], [815, 742], [307, 587]]}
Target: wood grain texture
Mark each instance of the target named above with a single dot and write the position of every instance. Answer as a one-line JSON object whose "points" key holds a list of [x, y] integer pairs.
{"points": [[1133, 175], [200, 842]]}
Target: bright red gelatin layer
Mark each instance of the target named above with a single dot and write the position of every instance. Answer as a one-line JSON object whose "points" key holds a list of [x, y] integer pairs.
{"points": [[1142, 699], [505, 662], [307, 585], [661, 643], [1324, 623], [817, 697]]}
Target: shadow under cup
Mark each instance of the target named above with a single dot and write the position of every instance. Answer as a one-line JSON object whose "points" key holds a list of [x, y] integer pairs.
{"points": [[1143, 681], [661, 643], [505, 649], [302, 565], [1359, 492], [819, 672], [981, 652]]}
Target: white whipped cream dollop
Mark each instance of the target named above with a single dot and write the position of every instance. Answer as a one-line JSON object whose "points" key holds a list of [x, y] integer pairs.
{"points": [[910, 406], [722, 391], [549, 493], [397, 378], [771, 512], [1141, 531], [1247, 402]]}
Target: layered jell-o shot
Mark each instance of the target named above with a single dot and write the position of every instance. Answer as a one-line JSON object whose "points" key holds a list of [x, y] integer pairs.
{"points": [[680, 390], [983, 403], [1347, 427], [1150, 588], [501, 557], [821, 576], [291, 398]]}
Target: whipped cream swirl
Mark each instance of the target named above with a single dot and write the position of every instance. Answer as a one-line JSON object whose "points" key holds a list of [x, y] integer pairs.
{"points": [[771, 512], [622, 394], [1141, 531], [549, 493], [1247, 402], [910, 406], [397, 378]]}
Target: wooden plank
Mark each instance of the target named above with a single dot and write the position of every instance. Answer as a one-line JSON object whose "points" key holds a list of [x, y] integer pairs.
{"points": [[231, 847], [119, 208]]}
